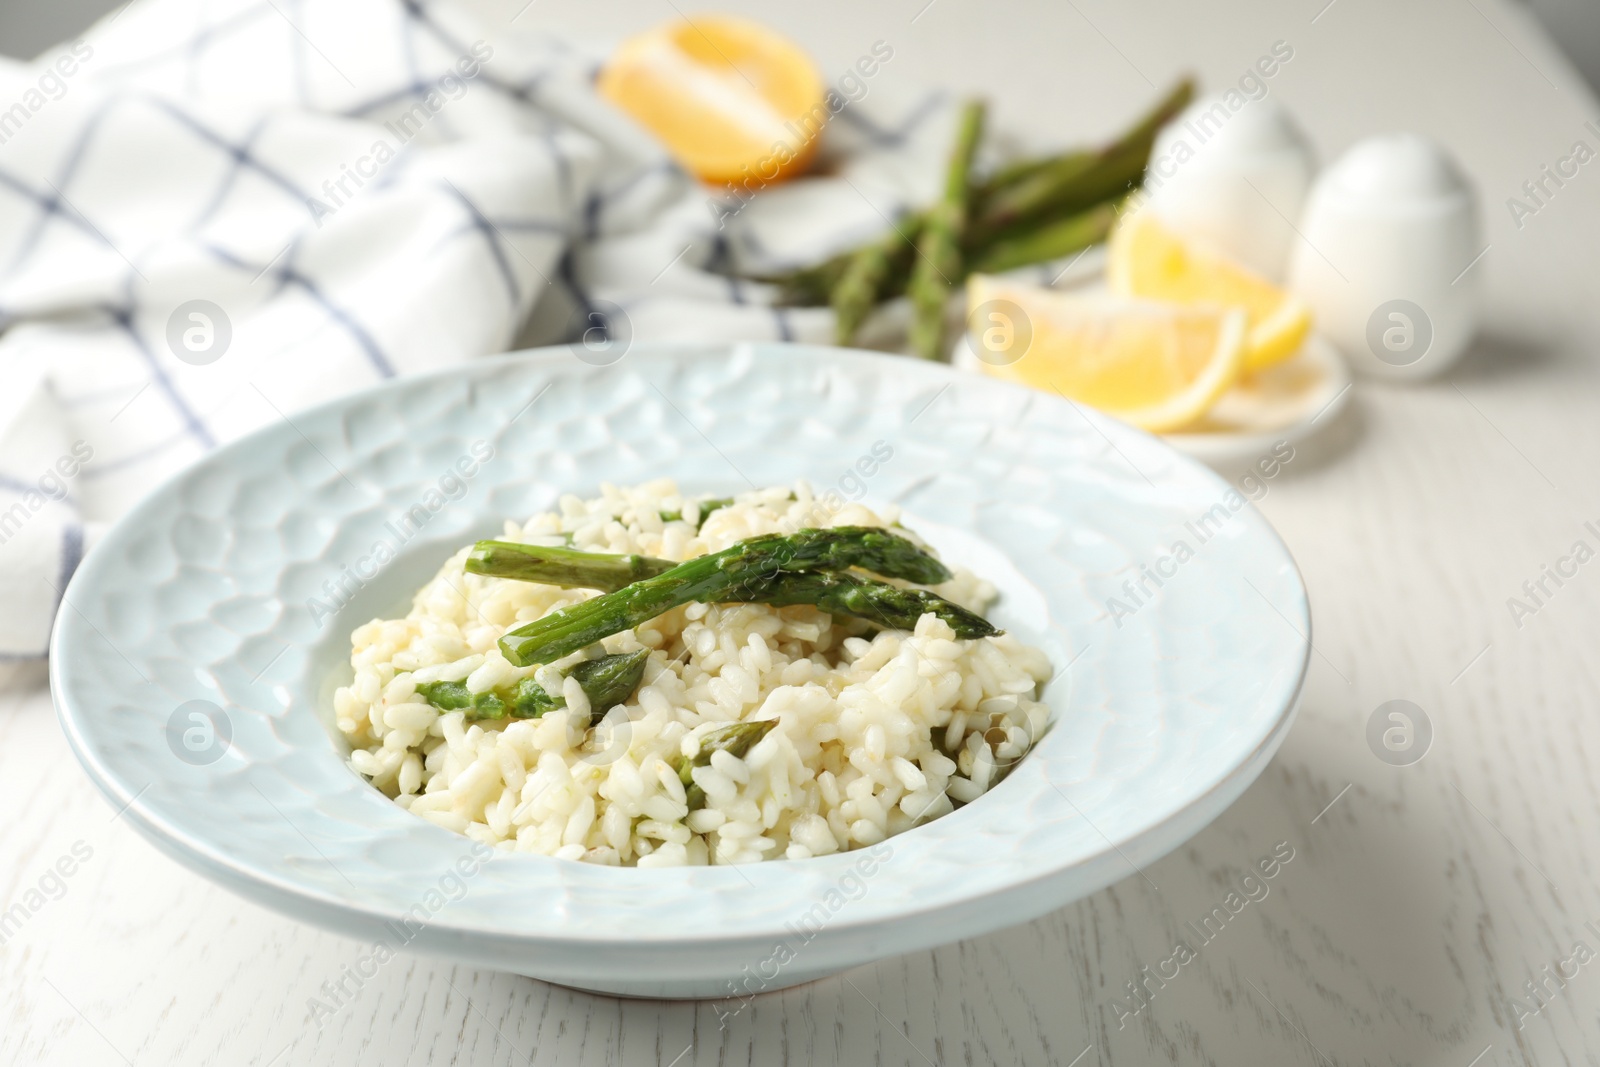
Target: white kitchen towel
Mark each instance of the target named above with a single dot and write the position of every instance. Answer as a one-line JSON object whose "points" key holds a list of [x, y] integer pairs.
{"points": [[216, 212]]}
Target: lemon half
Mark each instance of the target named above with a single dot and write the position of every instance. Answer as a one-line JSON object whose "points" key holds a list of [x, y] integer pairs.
{"points": [[731, 100]]}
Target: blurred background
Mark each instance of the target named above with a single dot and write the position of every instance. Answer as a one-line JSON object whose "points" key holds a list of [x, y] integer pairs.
{"points": [[27, 27], [1422, 908]]}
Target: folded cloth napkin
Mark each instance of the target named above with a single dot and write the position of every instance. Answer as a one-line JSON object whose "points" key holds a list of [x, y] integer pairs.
{"points": [[214, 213]]}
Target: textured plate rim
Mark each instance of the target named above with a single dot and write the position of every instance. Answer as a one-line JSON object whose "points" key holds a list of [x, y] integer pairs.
{"points": [[207, 857]]}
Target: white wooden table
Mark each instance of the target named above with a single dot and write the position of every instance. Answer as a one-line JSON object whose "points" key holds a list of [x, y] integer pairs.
{"points": [[1420, 898]]}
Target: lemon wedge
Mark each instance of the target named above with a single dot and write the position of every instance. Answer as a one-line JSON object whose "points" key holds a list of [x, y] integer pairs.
{"points": [[731, 100], [1148, 259], [1158, 366]]}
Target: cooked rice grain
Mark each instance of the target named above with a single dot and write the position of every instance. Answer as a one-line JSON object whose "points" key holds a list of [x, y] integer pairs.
{"points": [[875, 733]]}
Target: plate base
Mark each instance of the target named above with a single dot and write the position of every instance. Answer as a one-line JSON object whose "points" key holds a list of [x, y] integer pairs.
{"points": [[734, 989]]}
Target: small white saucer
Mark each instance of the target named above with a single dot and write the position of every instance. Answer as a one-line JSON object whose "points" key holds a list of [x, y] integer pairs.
{"points": [[1289, 402]]}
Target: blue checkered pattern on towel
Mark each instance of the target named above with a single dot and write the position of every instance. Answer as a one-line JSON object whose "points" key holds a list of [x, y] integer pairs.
{"points": [[364, 188]]}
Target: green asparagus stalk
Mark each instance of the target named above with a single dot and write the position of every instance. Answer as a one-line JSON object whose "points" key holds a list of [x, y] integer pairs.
{"points": [[840, 547], [571, 568], [1078, 180], [566, 567], [736, 739], [455, 696], [1050, 241], [865, 278], [607, 682], [817, 284], [712, 578], [809, 286], [706, 508], [566, 631], [887, 605], [841, 594], [1027, 191], [1036, 185], [1016, 171], [938, 264]]}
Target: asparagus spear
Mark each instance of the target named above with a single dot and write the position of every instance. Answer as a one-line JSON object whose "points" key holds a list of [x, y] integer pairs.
{"points": [[868, 273], [449, 696], [840, 547], [712, 578], [706, 508], [809, 286], [1038, 184], [938, 264], [570, 629], [571, 568], [1011, 173], [607, 682], [520, 702], [1080, 179], [889, 606], [737, 738], [566, 567], [1051, 241], [817, 284], [841, 594]]}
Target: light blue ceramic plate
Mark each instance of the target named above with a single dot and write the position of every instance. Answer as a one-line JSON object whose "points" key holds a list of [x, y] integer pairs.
{"points": [[1167, 703]]}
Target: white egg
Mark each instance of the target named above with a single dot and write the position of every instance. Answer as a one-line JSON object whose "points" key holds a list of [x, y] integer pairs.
{"points": [[1389, 234], [1234, 173]]}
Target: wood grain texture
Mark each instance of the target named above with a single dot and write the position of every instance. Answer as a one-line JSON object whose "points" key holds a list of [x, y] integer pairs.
{"points": [[1419, 899]]}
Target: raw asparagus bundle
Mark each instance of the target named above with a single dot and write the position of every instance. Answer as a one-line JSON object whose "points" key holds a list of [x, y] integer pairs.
{"points": [[1029, 211], [607, 682], [772, 569]]}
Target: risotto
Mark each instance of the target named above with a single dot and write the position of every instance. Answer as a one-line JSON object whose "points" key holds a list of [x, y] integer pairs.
{"points": [[859, 731]]}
